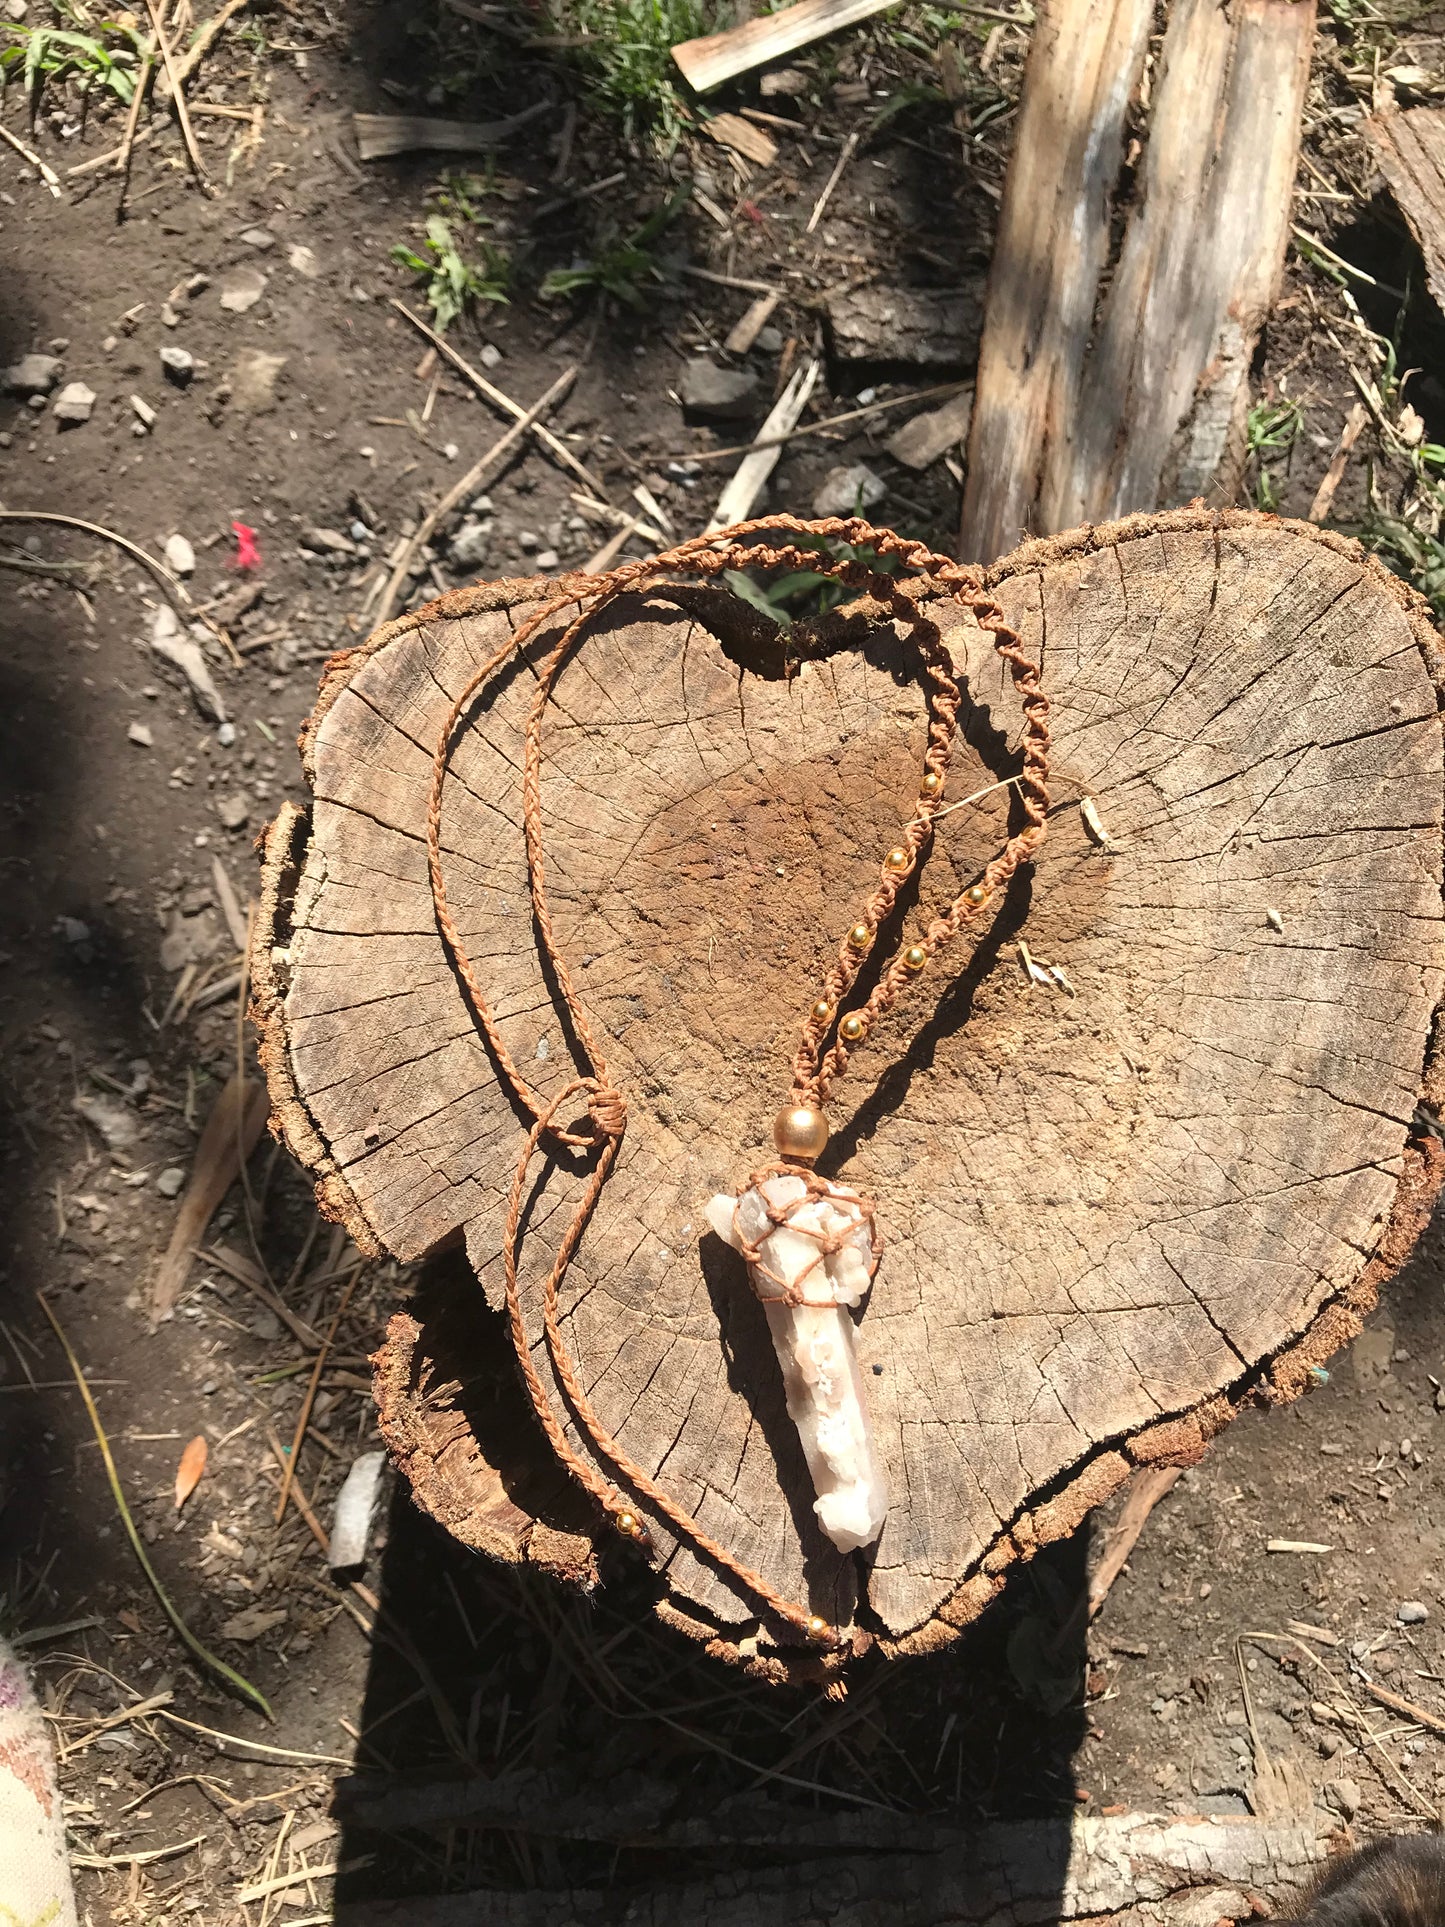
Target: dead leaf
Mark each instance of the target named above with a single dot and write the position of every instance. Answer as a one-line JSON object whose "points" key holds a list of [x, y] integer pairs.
{"points": [[190, 1469], [252, 1621], [230, 1136]]}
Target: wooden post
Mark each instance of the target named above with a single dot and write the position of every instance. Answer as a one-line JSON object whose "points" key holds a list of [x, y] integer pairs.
{"points": [[1088, 405], [1112, 1210]]}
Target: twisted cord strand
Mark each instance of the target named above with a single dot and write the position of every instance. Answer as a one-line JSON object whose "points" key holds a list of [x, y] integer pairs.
{"points": [[813, 1071]]}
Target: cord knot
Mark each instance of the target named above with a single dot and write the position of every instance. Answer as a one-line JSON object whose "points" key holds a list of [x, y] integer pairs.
{"points": [[607, 1109]]}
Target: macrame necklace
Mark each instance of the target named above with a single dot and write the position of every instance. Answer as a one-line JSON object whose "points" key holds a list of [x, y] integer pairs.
{"points": [[811, 1245]]}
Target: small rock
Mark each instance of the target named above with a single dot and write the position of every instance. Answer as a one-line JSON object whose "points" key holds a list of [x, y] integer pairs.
{"points": [[489, 355], [241, 289], [722, 394], [1413, 1613], [170, 315], [140, 733], [73, 931], [37, 402], [74, 403], [6, 440], [146, 415], [180, 556], [878, 326], [233, 811], [547, 559], [170, 1181], [1344, 1796], [116, 1124], [179, 364], [59, 344], [32, 375], [359, 532], [848, 490], [451, 451], [185, 653], [15, 9], [527, 540], [302, 261], [480, 505], [784, 83], [258, 237], [252, 1621], [332, 541], [470, 546], [770, 340], [226, 735]]}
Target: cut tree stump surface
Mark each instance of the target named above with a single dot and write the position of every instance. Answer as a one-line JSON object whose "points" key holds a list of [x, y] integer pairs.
{"points": [[1109, 1216]]}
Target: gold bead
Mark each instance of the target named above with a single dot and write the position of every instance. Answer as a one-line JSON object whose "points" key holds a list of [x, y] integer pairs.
{"points": [[914, 958], [899, 861], [817, 1628], [975, 894], [821, 1011], [800, 1133], [626, 1523], [853, 1028], [860, 936], [932, 784]]}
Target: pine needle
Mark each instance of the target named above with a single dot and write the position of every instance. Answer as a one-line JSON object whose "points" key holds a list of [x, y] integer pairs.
{"points": [[227, 1674]]}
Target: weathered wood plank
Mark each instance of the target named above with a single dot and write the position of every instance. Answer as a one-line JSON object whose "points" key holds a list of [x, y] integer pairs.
{"points": [[1083, 66], [1091, 406]]}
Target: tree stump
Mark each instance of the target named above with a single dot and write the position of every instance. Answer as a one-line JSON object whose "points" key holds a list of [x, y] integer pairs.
{"points": [[1113, 1209]]}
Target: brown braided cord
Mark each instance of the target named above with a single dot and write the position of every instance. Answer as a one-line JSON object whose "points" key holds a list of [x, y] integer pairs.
{"points": [[813, 1072], [815, 1189]]}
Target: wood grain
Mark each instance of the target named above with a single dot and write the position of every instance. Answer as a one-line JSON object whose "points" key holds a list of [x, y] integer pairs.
{"points": [[1108, 1218], [1052, 246], [1410, 149], [1095, 404]]}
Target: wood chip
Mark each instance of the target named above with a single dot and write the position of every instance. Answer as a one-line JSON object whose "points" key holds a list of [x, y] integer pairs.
{"points": [[1296, 1545], [718, 57], [731, 130], [920, 442], [745, 331], [1339, 461], [736, 501], [378, 136]]}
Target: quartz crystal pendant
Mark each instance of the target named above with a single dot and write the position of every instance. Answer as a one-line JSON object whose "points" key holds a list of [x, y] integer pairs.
{"points": [[806, 1271]]}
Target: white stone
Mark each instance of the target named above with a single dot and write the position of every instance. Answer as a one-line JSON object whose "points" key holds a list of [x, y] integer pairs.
{"points": [[74, 403], [180, 556], [814, 1340], [848, 491]]}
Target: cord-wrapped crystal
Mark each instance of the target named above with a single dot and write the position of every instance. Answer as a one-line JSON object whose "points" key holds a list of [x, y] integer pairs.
{"points": [[811, 1253]]}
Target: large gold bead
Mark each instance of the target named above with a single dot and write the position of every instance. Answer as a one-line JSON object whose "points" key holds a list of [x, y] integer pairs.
{"points": [[914, 958], [860, 936], [853, 1028], [800, 1133], [932, 784], [821, 1012], [899, 861], [975, 894]]}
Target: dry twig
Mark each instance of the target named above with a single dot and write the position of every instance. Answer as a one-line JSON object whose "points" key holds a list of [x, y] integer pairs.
{"points": [[468, 485], [503, 401]]}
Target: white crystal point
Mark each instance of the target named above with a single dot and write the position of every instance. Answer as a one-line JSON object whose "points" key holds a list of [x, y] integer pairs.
{"points": [[814, 1340]]}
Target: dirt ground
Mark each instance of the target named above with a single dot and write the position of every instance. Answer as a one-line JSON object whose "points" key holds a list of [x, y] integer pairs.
{"points": [[121, 798]]}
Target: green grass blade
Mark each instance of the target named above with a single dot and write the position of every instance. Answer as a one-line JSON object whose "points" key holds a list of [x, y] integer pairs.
{"points": [[227, 1674]]}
